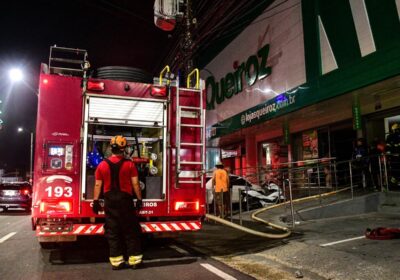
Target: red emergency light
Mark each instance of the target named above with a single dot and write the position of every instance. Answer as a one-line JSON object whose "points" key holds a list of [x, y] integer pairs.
{"points": [[187, 206], [159, 91], [95, 86], [55, 206], [166, 24]]}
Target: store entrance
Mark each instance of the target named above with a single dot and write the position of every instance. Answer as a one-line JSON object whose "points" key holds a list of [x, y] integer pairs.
{"points": [[231, 158], [342, 142], [379, 125], [274, 156]]}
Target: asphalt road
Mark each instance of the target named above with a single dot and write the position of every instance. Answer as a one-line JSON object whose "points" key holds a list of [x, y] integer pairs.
{"points": [[22, 258]]}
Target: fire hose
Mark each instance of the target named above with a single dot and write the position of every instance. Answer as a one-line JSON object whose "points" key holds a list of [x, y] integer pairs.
{"points": [[286, 231]]}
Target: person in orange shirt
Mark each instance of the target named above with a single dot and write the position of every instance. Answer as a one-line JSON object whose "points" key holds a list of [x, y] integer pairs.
{"points": [[220, 181]]}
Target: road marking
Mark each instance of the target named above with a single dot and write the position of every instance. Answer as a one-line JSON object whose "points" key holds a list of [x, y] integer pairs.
{"points": [[179, 249], [7, 236], [342, 241], [218, 272], [170, 259]]}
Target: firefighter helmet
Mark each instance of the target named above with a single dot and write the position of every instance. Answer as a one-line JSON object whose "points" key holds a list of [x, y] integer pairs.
{"points": [[395, 127], [118, 141]]}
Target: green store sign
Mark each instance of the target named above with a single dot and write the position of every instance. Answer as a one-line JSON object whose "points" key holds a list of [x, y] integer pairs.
{"points": [[254, 69], [282, 104]]}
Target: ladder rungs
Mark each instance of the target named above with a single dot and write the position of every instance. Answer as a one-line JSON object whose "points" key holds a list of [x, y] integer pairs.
{"points": [[190, 89], [71, 50], [191, 125], [191, 162], [74, 61], [60, 69], [190, 107], [191, 144], [189, 182]]}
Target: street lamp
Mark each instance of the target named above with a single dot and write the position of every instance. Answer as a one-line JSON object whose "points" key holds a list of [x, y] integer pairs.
{"points": [[15, 75], [20, 130]]}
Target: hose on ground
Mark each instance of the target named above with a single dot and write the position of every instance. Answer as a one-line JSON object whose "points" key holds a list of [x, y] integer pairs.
{"points": [[252, 231], [286, 231]]}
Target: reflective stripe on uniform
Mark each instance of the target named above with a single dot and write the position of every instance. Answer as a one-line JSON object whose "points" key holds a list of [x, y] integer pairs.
{"points": [[133, 260], [116, 261]]}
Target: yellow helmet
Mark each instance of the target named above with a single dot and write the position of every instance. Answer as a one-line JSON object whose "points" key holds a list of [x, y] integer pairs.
{"points": [[118, 141], [395, 126]]}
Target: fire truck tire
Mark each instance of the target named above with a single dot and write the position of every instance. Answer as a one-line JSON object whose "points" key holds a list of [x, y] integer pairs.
{"points": [[123, 73]]}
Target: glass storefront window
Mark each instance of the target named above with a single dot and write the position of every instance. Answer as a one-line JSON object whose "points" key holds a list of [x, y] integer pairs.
{"points": [[213, 156]]}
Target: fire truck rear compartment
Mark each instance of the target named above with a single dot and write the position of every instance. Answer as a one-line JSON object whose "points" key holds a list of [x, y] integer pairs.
{"points": [[142, 123]]}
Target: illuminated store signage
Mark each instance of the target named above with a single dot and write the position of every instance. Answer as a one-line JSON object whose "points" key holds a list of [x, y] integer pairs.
{"points": [[253, 70], [281, 102]]}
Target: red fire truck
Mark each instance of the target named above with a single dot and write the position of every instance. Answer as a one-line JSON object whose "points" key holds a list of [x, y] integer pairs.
{"points": [[77, 116]]}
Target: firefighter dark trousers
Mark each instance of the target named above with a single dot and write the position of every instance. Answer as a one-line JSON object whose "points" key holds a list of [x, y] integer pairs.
{"points": [[122, 228]]}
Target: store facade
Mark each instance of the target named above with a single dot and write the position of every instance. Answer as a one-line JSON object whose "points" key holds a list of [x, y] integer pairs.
{"points": [[303, 81]]}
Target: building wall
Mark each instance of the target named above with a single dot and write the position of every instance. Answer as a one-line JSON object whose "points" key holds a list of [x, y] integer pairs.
{"points": [[280, 27], [318, 50]]}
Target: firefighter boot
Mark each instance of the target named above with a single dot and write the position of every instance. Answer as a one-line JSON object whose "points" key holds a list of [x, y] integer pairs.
{"points": [[117, 262], [135, 261]]}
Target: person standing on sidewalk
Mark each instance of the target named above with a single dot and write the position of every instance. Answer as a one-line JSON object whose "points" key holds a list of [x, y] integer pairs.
{"points": [[361, 161], [220, 181], [119, 178], [393, 155]]}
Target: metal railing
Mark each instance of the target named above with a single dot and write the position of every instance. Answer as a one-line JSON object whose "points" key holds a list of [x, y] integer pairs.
{"points": [[312, 178]]}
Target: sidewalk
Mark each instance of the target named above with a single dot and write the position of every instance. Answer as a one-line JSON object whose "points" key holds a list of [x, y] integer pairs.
{"points": [[310, 250]]}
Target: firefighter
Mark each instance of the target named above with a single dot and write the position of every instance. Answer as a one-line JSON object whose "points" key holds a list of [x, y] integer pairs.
{"points": [[393, 154], [119, 178]]}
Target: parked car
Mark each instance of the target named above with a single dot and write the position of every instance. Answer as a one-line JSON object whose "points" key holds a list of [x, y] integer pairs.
{"points": [[257, 196], [15, 195]]}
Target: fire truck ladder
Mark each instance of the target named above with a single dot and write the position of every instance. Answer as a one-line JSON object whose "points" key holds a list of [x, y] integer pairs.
{"points": [[190, 175], [68, 61]]}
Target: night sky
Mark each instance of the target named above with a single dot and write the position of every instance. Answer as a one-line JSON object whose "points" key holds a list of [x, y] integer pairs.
{"points": [[113, 32]]}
